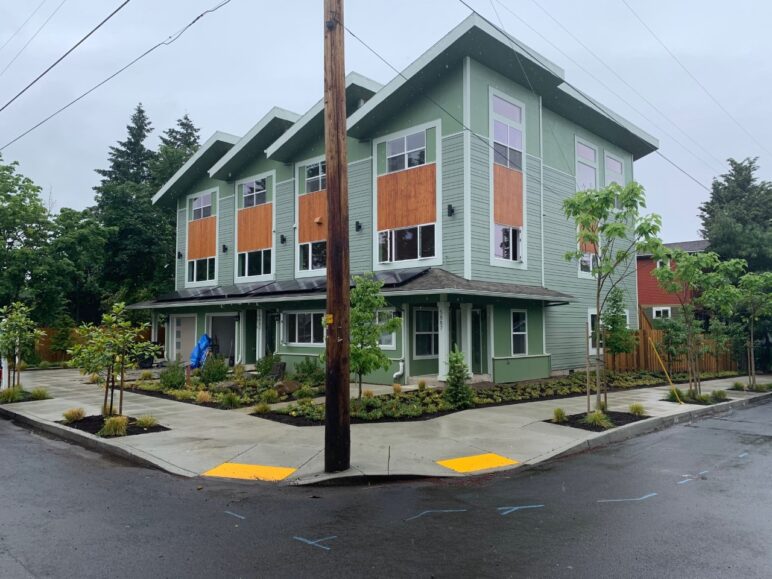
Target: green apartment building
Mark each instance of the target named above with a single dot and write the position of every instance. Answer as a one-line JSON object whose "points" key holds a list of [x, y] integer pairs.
{"points": [[457, 172]]}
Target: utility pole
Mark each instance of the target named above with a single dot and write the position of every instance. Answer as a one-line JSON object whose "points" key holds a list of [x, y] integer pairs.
{"points": [[337, 431]]}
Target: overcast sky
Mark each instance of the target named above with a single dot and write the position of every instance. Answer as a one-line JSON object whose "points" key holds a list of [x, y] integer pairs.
{"points": [[234, 65]]}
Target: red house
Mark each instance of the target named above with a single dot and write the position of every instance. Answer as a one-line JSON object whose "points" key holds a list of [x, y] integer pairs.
{"points": [[657, 303]]}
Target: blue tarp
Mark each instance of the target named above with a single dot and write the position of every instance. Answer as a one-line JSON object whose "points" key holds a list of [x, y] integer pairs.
{"points": [[198, 355]]}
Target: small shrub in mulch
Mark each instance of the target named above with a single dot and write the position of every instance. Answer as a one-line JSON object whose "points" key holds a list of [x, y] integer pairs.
{"points": [[95, 424], [689, 397], [616, 419], [11, 395]]}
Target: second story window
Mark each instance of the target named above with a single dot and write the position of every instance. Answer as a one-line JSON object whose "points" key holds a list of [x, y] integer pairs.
{"points": [[202, 206], [406, 243], [316, 177], [313, 255], [200, 270], [405, 152], [507, 242], [254, 192]]}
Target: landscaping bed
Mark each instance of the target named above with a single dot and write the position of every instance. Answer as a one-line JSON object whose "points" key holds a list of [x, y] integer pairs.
{"points": [[617, 419], [678, 396], [94, 425], [12, 395]]}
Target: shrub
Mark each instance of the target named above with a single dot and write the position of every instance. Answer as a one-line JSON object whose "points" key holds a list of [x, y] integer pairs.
{"points": [[304, 391], [421, 385], [366, 394], [39, 394], [11, 395], [637, 409], [675, 395], [264, 366], [558, 416], [182, 395], [73, 415], [173, 376], [396, 388], [309, 371], [269, 396], [145, 375], [457, 392], [739, 385], [146, 421], [598, 419], [94, 379], [150, 387], [261, 408], [239, 373], [230, 400], [718, 396], [44, 365], [114, 426], [22, 366], [203, 397], [214, 370]]}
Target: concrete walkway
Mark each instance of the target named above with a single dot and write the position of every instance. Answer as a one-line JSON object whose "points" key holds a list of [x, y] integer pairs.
{"points": [[202, 439]]}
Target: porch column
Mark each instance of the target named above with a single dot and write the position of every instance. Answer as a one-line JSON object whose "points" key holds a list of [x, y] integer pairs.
{"points": [[443, 346], [241, 332], [260, 336], [153, 326], [466, 334]]}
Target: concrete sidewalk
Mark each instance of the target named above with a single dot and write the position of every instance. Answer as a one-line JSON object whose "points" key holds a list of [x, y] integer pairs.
{"points": [[202, 439]]}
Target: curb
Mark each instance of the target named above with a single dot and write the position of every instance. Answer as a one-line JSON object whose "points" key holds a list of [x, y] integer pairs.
{"points": [[91, 442]]}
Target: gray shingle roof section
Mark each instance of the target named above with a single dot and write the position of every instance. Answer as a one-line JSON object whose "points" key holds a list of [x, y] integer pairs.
{"points": [[690, 246]]}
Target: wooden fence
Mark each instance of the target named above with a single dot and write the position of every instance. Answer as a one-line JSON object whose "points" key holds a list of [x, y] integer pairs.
{"points": [[644, 356], [45, 353]]}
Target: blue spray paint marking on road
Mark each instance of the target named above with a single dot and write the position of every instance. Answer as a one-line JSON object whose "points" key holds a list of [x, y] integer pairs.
{"points": [[743, 455], [643, 498], [436, 511], [686, 480], [317, 541], [234, 515], [507, 510]]}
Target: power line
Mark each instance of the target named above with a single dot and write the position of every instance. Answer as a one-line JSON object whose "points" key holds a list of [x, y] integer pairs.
{"points": [[166, 42], [23, 24], [694, 78], [42, 26], [589, 100], [635, 91], [61, 58]]}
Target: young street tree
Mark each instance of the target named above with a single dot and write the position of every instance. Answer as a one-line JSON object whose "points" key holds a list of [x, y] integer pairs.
{"points": [[610, 231], [18, 334], [617, 337], [755, 304], [370, 320]]}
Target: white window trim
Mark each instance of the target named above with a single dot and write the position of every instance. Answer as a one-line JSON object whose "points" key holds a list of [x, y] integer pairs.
{"points": [[318, 161], [236, 330], [285, 333], [498, 261], [393, 346], [172, 328], [195, 196], [606, 181], [591, 312], [313, 272], [519, 247], [426, 261], [264, 277], [579, 140], [188, 214], [405, 153], [391, 246], [299, 273], [661, 262], [437, 333], [512, 333], [261, 277], [661, 309]]}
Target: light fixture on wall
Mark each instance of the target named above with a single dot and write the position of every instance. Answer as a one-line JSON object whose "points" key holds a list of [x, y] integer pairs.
{"points": [[451, 210], [358, 226], [282, 239], [179, 255], [224, 248]]}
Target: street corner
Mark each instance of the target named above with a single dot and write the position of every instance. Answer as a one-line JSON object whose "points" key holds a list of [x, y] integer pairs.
{"points": [[240, 471], [477, 463]]}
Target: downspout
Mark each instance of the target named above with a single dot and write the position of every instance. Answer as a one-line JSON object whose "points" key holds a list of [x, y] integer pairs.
{"points": [[401, 372], [541, 187]]}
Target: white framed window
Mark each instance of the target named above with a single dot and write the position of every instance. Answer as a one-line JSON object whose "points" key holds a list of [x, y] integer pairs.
{"points": [[507, 133], [316, 176], [202, 206], [594, 340], [406, 152], [663, 263], [202, 270], [387, 340], [304, 328], [614, 173], [587, 262], [312, 256], [507, 242], [426, 333], [586, 166], [406, 243], [519, 333], [254, 263], [661, 313], [253, 192]]}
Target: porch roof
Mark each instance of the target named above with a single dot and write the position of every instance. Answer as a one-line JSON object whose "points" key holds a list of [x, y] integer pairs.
{"points": [[401, 282]]}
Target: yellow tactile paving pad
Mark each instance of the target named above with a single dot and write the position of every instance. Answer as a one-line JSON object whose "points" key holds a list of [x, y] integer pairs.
{"points": [[476, 462], [250, 471]]}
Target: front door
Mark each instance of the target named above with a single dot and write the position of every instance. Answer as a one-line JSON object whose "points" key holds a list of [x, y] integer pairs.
{"points": [[184, 337], [223, 334], [271, 330], [477, 342]]}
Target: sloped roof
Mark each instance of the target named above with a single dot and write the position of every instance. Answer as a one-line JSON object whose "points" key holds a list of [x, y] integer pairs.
{"points": [[689, 246]]}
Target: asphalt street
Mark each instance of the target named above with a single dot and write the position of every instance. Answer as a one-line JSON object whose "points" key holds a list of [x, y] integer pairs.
{"points": [[690, 501]]}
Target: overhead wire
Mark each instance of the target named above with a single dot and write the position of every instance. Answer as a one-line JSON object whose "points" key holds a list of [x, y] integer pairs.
{"points": [[61, 58], [33, 37], [23, 24], [166, 42]]}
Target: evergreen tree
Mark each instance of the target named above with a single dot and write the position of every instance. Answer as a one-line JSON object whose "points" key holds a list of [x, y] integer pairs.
{"points": [[737, 220], [130, 160], [178, 144]]}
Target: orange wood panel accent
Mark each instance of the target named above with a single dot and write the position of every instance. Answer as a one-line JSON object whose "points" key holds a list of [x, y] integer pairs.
{"points": [[312, 217], [255, 227], [588, 247], [507, 196], [407, 197], [202, 238]]}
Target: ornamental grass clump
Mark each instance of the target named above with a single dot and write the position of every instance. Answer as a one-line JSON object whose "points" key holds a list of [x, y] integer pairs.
{"points": [[718, 396], [230, 400], [11, 395], [203, 397], [146, 421], [73, 415], [261, 408], [598, 419], [559, 416], [637, 409], [114, 426], [39, 394]]}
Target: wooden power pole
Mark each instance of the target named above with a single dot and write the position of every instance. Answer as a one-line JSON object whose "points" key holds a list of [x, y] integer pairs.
{"points": [[337, 432]]}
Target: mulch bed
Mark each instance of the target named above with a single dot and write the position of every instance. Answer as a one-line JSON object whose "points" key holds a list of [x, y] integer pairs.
{"points": [[618, 418], [159, 394], [93, 424], [303, 421]]}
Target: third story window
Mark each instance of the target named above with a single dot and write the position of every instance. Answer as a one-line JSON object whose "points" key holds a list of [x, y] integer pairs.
{"points": [[587, 262], [507, 242], [253, 263], [316, 177], [405, 152], [507, 145], [202, 206], [254, 193], [313, 255], [406, 244]]}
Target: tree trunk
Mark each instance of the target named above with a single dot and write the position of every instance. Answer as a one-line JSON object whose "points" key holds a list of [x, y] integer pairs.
{"points": [[588, 331], [597, 349], [112, 395], [360, 385], [752, 368], [107, 389], [120, 397]]}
